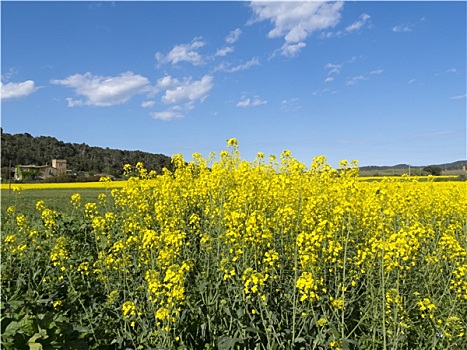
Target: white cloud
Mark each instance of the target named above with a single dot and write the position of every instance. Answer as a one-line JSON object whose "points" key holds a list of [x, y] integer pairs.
{"points": [[411, 81], [104, 91], [329, 35], [224, 51], [250, 102], [355, 80], [182, 95], [333, 68], [147, 104], [290, 49], [17, 90], [229, 39], [451, 70], [401, 28], [459, 97], [233, 36], [226, 67], [183, 53], [167, 82], [169, 114], [186, 90], [290, 105], [359, 23], [8, 75], [376, 71], [328, 79], [295, 21], [323, 91], [247, 65]]}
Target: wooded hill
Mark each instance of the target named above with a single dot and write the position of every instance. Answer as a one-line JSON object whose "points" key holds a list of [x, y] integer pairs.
{"points": [[24, 149], [445, 166]]}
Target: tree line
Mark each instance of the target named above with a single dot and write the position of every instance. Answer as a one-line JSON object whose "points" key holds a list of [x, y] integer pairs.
{"points": [[25, 149]]}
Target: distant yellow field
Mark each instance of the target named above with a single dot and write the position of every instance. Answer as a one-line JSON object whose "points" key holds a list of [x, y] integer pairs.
{"points": [[407, 177], [48, 186], [120, 184]]}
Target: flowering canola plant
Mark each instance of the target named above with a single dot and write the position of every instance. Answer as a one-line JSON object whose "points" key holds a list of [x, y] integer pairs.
{"points": [[230, 254]]}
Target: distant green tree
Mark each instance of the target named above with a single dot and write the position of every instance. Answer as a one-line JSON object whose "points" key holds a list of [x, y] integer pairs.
{"points": [[433, 170], [7, 174], [24, 149]]}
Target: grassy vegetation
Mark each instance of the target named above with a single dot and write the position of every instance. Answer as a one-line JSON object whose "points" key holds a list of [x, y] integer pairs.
{"points": [[56, 199]]}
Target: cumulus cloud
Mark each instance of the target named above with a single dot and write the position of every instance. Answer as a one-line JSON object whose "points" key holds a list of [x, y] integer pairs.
{"points": [[355, 80], [104, 91], [230, 39], [355, 26], [166, 82], [247, 65], [17, 90], [364, 17], [401, 28], [290, 50], [224, 51], [233, 36], [181, 95], [323, 91], [186, 90], [147, 104], [295, 21], [244, 66], [6, 76], [290, 105], [183, 53], [250, 102], [333, 68], [168, 114]]}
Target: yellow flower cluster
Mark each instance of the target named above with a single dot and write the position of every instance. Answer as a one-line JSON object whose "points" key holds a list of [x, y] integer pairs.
{"points": [[59, 253], [168, 293], [129, 309], [76, 200], [272, 234], [49, 218], [426, 307]]}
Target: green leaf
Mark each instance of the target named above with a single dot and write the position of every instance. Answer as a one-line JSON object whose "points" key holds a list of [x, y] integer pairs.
{"points": [[226, 343], [42, 334], [81, 329], [4, 322], [35, 346], [299, 340], [254, 330], [13, 327]]}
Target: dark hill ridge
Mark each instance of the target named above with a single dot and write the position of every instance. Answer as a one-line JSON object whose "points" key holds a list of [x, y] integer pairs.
{"points": [[457, 165], [23, 149]]}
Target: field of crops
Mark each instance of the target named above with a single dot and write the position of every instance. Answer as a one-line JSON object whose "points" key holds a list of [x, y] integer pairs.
{"points": [[229, 254]]}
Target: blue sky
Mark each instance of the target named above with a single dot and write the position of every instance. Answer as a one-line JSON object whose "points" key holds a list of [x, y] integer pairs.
{"points": [[380, 82]]}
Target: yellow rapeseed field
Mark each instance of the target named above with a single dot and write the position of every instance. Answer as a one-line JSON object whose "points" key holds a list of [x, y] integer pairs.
{"points": [[106, 183], [229, 254]]}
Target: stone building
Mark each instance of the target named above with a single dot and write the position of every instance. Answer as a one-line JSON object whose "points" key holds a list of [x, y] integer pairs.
{"points": [[39, 172]]}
